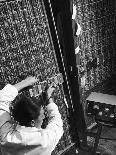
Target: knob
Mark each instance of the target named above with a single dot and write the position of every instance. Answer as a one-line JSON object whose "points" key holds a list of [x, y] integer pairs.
{"points": [[112, 116], [100, 113], [96, 107], [107, 109]]}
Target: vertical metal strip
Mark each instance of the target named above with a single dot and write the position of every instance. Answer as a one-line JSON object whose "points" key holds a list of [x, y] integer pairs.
{"points": [[61, 53]]}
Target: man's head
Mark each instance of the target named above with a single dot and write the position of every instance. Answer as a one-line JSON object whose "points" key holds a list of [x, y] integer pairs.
{"points": [[28, 111]]}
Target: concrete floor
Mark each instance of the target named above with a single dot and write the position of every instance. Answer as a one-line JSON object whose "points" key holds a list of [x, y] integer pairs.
{"points": [[106, 147]]}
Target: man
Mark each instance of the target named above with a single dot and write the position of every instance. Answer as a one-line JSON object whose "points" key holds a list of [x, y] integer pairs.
{"points": [[28, 140]]}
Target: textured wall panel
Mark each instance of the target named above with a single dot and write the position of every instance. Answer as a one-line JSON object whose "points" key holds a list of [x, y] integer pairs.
{"points": [[96, 42], [26, 48]]}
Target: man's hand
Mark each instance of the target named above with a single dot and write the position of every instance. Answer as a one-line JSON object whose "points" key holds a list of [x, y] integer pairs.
{"points": [[50, 90], [30, 81], [25, 83], [46, 95]]}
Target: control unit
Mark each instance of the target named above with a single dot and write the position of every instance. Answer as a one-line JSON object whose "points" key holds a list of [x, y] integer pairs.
{"points": [[102, 107]]}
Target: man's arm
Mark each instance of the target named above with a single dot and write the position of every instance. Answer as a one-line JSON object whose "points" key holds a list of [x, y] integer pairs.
{"points": [[54, 128], [25, 83], [8, 94]]}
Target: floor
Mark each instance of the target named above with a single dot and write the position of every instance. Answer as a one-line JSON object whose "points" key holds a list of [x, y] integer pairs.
{"points": [[73, 151], [106, 147]]}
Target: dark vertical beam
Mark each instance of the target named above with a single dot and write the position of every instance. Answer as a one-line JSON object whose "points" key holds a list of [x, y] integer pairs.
{"points": [[61, 63], [77, 120], [71, 62]]}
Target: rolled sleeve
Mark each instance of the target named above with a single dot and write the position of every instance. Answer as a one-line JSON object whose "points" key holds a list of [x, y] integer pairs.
{"points": [[54, 129], [7, 95]]}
